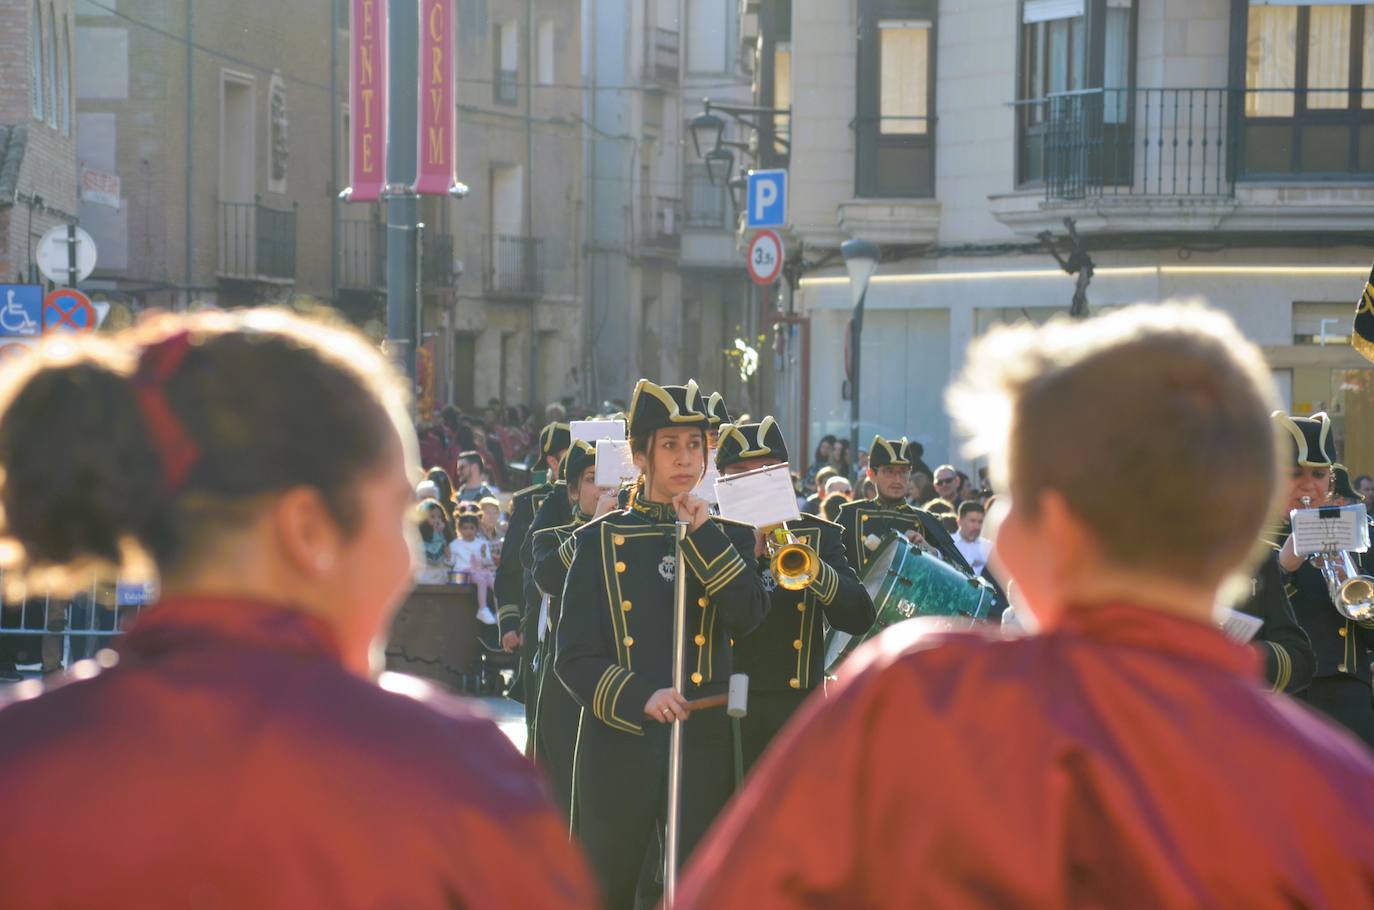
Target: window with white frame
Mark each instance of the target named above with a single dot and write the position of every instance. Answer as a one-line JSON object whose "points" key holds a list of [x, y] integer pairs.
{"points": [[506, 56], [547, 69]]}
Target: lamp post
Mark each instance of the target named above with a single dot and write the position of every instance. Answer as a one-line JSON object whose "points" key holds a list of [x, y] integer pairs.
{"points": [[861, 259]]}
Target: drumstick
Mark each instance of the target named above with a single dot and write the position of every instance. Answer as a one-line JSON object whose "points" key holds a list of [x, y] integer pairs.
{"points": [[710, 701]]}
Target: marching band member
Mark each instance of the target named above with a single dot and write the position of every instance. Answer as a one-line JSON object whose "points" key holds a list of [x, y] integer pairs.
{"points": [[1289, 661], [239, 750], [718, 415], [614, 644], [516, 596], [784, 658], [551, 551], [866, 520], [1123, 755], [1341, 685]]}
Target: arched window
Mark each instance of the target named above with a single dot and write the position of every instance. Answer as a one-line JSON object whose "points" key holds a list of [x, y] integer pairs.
{"points": [[52, 68], [66, 73], [37, 88]]}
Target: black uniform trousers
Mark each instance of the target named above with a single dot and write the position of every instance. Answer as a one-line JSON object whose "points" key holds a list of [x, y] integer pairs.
{"points": [[768, 713], [555, 732], [1347, 700], [625, 777]]}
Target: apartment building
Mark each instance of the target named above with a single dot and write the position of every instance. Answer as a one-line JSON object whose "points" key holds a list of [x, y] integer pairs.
{"points": [[217, 121], [1220, 150], [38, 172], [511, 328]]}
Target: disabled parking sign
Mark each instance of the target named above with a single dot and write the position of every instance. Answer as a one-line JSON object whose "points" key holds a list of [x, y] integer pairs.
{"points": [[21, 310]]}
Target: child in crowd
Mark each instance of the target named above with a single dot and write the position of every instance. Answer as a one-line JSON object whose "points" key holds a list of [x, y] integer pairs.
{"points": [[436, 531], [471, 554]]}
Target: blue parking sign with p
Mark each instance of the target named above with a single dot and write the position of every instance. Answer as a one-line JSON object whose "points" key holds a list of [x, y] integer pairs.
{"points": [[21, 310], [767, 192]]}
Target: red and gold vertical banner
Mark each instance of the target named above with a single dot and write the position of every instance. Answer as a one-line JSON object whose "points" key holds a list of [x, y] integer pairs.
{"points": [[367, 99], [435, 171], [425, 380]]}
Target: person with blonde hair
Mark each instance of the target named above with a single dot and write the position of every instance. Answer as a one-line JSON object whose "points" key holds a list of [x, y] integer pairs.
{"points": [[1124, 753]]}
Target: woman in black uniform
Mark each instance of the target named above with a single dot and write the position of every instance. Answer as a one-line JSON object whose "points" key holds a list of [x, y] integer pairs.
{"points": [[614, 644]]}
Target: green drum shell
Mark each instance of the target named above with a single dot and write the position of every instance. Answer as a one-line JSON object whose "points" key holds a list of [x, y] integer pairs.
{"points": [[906, 582]]}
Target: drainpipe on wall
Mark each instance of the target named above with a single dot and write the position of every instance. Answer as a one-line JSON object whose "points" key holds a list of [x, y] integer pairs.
{"points": [[190, 131]]}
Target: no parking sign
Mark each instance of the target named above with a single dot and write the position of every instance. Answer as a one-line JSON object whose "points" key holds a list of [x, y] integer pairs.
{"points": [[68, 310]]}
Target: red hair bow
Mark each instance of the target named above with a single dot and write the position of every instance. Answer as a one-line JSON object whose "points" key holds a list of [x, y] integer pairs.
{"points": [[156, 365]]}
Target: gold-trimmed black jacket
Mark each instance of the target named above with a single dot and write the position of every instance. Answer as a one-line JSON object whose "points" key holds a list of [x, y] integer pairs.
{"points": [[615, 632], [786, 652]]}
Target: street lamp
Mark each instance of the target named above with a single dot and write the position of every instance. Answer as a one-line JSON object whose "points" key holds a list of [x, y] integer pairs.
{"points": [[861, 258], [737, 189], [706, 131], [720, 164]]}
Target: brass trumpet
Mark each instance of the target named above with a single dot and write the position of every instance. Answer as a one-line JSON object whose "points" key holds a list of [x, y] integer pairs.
{"points": [[793, 563]]}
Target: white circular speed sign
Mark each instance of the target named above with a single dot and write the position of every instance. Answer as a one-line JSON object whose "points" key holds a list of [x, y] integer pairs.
{"points": [[765, 257]]}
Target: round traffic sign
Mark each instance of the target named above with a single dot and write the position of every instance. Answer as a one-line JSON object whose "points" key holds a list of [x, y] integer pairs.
{"points": [[765, 257], [53, 254], [68, 310]]}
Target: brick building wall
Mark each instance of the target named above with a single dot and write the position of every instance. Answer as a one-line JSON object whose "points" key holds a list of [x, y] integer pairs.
{"points": [[38, 176]]}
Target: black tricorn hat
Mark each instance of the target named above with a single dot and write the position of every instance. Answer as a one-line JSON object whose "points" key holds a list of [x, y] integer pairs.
{"points": [[1311, 444], [750, 440], [885, 452], [656, 407], [554, 438], [716, 411], [580, 456]]}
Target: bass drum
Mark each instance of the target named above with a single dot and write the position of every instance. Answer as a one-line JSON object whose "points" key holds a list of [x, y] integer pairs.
{"points": [[905, 582]]}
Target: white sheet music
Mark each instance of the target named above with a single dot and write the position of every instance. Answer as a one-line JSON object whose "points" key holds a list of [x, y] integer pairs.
{"points": [[762, 498], [614, 463], [592, 430], [1330, 529], [1240, 627]]}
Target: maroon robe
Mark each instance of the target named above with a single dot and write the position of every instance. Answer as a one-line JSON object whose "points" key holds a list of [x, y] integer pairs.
{"points": [[229, 760], [1127, 759]]}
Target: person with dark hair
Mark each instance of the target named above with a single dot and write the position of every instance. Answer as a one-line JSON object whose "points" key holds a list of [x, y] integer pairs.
{"points": [[436, 533], [784, 657], [472, 481], [970, 540], [443, 487], [840, 462], [825, 451], [239, 749], [831, 505], [614, 649], [865, 521], [821, 478], [516, 594]]}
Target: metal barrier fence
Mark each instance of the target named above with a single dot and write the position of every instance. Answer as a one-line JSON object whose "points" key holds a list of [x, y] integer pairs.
{"points": [[46, 633]]}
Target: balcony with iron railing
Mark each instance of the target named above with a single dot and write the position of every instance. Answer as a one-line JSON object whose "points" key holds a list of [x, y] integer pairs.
{"points": [[662, 56], [256, 243], [362, 254], [659, 233], [513, 266], [1188, 159]]}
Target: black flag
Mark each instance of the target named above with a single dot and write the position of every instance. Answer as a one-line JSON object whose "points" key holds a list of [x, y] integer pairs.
{"points": [[1363, 337]]}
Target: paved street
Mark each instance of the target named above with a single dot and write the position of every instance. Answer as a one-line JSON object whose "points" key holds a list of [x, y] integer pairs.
{"points": [[509, 716]]}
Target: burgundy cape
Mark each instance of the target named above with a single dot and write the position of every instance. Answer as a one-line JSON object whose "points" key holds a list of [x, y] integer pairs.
{"points": [[1127, 759], [229, 760]]}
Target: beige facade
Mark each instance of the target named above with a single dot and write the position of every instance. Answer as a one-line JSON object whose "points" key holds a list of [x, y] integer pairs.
{"points": [[1150, 141], [218, 121]]}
